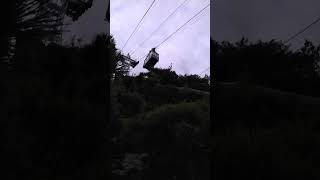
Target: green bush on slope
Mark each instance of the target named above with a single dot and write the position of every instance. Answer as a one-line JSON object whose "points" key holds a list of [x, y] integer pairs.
{"points": [[174, 134]]}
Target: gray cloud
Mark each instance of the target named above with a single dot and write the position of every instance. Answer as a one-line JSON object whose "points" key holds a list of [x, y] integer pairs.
{"points": [[264, 19], [89, 24], [188, 50]]}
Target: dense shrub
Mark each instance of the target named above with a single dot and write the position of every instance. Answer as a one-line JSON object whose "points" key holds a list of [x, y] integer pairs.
{"points": [[176, 135], [278, 154], [131, 104]]}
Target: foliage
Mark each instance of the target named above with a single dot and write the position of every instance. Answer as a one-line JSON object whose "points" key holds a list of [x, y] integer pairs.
{"points": [[176, 135], [117, 64], [166, 76], [131, 104], [282, 153], [262, 130]]}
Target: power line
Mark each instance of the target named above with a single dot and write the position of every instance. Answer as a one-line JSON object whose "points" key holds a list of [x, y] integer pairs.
{"points": [[143, 57], [138, 24], [182, 25], [303, 30], [191, 25], [196, 20], [199, 17], [179, 28], [159, 26]]}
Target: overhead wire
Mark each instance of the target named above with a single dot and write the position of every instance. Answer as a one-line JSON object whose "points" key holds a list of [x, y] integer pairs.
{"points": [[199, 17], [207, 67], [168, 17], [196, 20], [182, 26], [138, 24], [303, 30], [199, 12]]}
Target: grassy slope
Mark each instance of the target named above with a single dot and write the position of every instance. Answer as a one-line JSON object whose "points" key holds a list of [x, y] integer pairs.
{"points": [[288, 149]]}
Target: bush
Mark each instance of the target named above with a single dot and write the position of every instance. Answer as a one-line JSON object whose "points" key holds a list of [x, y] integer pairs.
{"points": [[280, 154], [176, 135], [131, 104]]}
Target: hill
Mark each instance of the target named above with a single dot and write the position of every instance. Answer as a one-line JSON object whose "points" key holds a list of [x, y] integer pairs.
{"points": [[265, 111]]}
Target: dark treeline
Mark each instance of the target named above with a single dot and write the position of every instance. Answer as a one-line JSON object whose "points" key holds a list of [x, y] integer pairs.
{"points": [[263, 125], [271, 64]]}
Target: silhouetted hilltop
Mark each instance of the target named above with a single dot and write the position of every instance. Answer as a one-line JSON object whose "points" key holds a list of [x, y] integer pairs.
{"points": [[265, 110], [269, 64]]}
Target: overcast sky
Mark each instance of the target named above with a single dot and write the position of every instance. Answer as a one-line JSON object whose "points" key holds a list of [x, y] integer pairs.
{"points": [[89, 24], [264, 19], [188, 50]]}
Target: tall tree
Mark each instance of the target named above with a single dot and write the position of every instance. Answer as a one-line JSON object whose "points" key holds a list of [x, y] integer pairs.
{"points": [[35, 20], [27, 19]]}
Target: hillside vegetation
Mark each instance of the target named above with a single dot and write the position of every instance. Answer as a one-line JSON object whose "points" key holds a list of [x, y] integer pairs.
{"points": [[265, 111], [161, 125]]}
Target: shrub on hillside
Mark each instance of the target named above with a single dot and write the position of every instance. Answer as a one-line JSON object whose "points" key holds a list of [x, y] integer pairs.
{"points": [[281, 154], [131, 103], [176, 135]]}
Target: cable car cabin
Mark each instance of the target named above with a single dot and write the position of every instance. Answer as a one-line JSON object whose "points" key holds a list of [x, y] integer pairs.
{"points": [[151, 59], [77, 7]]}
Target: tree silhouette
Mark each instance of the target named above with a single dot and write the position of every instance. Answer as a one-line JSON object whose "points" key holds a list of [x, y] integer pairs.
{"points": [[270, 64], [25, 20], [34, 20]]}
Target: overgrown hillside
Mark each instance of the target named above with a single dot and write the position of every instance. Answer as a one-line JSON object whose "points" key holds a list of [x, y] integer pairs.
{"points": [[160, 126], [265, 111]]}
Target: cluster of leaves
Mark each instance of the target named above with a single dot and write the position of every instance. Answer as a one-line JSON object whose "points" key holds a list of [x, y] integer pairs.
{"points": [[174, 139], [166, 76]]}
